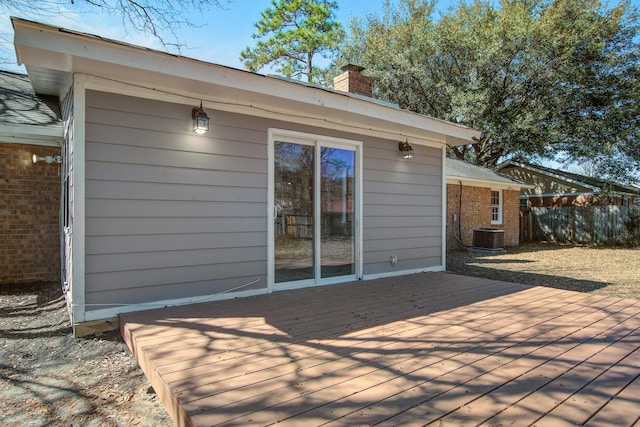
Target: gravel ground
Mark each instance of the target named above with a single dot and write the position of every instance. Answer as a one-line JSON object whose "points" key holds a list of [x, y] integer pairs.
{"points": [[47, 377], [601, 270]]}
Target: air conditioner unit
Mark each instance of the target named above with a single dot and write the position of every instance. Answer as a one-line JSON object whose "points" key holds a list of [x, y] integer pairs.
{"points": [[488, 238]]}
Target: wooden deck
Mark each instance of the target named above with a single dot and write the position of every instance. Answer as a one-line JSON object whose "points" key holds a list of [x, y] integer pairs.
{"points": [[429, 348]]}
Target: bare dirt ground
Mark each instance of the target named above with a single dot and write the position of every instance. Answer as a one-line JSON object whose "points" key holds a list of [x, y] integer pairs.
{"points": [[610, 271], [49, 378]]}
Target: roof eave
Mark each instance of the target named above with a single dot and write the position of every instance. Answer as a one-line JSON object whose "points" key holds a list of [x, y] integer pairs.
{"points": [[32, 134], [52, 59], [475, 182], [553, 175]]}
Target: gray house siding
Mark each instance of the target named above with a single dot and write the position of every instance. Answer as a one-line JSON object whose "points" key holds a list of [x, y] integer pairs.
{"points": [[172, 215], [402, 208]]}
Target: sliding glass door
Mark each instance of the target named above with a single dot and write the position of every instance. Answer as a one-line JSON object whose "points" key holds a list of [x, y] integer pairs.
{"points": [[314, 211]]}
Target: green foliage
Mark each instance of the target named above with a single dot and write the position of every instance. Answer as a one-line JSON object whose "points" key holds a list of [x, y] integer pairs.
{"points": [[538, 77], [291, 33]]}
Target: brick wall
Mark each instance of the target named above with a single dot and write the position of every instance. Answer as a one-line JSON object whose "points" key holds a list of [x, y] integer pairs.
{"points": [[511, 217], [354, 82], [476, 213], [29, 208]]}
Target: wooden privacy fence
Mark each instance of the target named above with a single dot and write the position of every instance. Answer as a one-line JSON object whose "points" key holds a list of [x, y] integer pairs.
{"points": [[301, 226], [581, 224]]}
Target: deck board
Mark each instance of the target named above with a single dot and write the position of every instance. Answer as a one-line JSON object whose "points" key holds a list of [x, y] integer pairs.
{"points": [[411, 350]]}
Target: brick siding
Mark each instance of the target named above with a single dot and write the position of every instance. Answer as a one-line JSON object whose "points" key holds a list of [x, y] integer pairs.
{"points": [[476, 213], [29, 205]]}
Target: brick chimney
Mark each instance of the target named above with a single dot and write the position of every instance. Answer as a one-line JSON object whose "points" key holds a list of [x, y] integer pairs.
{"points": [[352, 80]]}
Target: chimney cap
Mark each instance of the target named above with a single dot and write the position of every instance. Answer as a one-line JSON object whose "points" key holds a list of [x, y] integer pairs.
{"points": [[352, 67]]}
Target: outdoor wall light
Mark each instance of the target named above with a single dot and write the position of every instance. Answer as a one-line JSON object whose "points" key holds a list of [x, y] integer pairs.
{"points": [[200, 120], [48, 159], [406, 150]]}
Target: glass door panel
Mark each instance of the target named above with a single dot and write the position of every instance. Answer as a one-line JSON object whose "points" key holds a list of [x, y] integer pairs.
{"points": [[294, 212], [314, 215], [337, 226]]}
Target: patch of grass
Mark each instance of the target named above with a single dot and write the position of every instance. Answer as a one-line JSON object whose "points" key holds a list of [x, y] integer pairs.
{"points": [[611, 271]]}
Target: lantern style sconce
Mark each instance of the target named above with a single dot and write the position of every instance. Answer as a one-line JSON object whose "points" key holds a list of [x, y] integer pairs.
{"points": [[47, 159], [406, 150], [200, 120]]}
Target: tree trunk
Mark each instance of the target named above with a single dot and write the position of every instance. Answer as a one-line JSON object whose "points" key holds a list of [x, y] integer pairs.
{"points": [[309, 67]]}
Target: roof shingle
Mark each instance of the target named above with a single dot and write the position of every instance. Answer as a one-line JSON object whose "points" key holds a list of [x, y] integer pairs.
{"points": [[19, 105]]}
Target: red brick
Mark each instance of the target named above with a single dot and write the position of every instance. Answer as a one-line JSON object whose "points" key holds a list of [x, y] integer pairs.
{"points": [[354, 82], [29, 206], [476, 213]]}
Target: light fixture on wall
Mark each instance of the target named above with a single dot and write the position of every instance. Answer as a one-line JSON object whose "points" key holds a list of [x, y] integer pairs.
{"points": [[47, 159], [200, 120], [405, 149]]}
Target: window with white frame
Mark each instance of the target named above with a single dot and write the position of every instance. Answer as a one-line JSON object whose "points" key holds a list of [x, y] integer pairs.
{"points": [[496, 206]]}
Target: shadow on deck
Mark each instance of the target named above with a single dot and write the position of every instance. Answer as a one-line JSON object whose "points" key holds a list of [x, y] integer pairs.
{"points": [[417, 349]]}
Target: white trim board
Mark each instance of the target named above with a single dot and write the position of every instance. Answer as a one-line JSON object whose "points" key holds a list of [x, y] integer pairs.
{"points": [[78, 251], [107, 313], [444, 208], [47, 136], [433, 269], [472, 182]]}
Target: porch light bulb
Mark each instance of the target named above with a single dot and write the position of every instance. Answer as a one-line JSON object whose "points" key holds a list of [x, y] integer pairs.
{"points": [[406, 150], [47, 159], [200, 120]]}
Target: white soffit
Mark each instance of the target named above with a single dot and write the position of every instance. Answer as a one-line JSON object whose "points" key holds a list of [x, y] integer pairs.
{"points": [[52, 55]]}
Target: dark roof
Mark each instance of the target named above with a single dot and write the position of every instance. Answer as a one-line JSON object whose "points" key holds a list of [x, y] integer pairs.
{"points": [[19, 105], [598, 183], [350, 94]]}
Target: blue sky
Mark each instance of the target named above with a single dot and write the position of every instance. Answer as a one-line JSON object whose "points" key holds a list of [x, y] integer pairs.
{"points": [[218, 37]]}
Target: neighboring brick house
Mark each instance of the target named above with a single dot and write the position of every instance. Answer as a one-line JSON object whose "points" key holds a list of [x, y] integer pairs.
{"points": [[30, 197], [478, 197], [552, 187]]}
